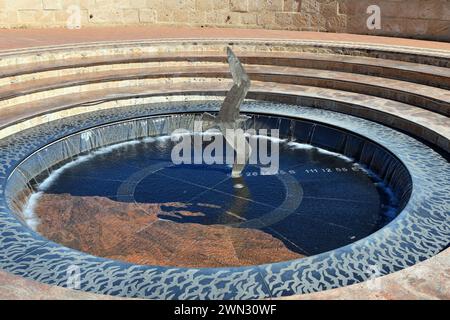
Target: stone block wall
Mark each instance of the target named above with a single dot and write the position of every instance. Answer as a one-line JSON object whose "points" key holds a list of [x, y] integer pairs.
{"points": [[425, 19]]}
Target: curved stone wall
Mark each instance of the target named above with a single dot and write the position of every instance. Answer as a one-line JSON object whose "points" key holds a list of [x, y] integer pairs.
{"points": [[398, 18]]}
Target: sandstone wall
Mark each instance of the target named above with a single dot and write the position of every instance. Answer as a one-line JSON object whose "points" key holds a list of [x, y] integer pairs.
{"points": [[426, 19]]}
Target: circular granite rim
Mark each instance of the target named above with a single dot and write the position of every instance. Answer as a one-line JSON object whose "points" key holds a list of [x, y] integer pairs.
{"points": [[420, 231]]}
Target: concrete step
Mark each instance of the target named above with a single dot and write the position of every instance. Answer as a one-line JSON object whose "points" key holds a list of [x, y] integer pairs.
{"points": [[392, 69], [427, 125], [434, 99], [435, 54]]}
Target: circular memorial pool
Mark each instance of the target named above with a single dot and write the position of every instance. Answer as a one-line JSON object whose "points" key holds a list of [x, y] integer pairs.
{"points": [[132, 202], [101, 193]]}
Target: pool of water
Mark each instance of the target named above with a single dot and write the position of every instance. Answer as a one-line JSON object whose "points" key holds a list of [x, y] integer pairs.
{"points": [[130, 202]]}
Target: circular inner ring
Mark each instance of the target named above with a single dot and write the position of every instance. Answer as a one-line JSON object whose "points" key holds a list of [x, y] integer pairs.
{"points": [[332, 188]]}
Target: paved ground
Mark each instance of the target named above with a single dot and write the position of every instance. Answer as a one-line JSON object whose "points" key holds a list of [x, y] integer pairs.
{"points": [[22, 38]]}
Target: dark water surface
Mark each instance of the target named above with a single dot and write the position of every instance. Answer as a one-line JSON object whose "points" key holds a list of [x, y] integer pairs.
{"points": [[319, 200]]}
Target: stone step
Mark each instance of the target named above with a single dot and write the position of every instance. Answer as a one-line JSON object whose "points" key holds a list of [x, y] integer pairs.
{"points": [[392, 69], [436, 55], [434, 99], [430, 126]]}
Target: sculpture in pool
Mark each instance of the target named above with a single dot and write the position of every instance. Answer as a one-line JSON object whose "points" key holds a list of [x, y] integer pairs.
{"points": [[229, 117]]}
